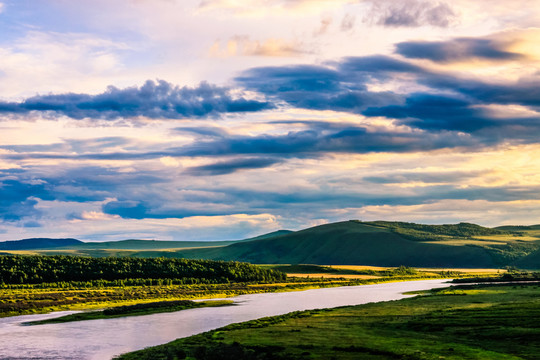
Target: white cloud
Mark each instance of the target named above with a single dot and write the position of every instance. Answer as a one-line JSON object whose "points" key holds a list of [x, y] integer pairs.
{"points": [[43, 62], [245, 46]]}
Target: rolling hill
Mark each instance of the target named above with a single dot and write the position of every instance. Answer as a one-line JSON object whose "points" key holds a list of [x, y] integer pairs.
{"points": [[38, 243], [131, 247], [377, 243], [383, 244]]}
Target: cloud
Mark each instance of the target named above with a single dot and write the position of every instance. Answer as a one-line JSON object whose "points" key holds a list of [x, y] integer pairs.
{"points": [[316, 141], [310, 139], [410, 13], [424, 177], [457, 50], [339, 86], [345, 75], [32, 224], [32, 60], [156, 100], [522, 92], [325, 23], [160, 209], [274, 7], [434, 112], [347, 23], [231, 166], [447, 103], [244, 46], [18, 199], [203, 131]]}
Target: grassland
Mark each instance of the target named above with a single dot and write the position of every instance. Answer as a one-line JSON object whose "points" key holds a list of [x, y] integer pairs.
{"points": [[464, 322], [133, 310]]}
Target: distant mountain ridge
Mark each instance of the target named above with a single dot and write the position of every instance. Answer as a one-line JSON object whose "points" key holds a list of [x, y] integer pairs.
{"points": [[38, 243], [353, 242], [129, 244]]}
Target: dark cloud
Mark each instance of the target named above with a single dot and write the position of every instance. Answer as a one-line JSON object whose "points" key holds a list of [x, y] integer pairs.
{"points": [[32, 224], [524, 92], [156, 209], [293, 78], [410, 13], [460, 49], [18, 199], [317, 139], [435, 112], [203, 131], [153, 100], [339, 86], [374, 67], [321, 139], [231, 166], [449, 104], [127, 209]]}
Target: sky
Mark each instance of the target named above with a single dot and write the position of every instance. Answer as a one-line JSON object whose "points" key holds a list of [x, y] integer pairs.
{"points": [[225, 119]]}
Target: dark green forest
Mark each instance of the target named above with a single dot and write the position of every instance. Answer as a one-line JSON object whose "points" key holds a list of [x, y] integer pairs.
{"points": [[53, 269]]}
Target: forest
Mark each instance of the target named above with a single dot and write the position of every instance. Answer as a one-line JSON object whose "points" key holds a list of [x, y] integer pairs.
{"points": [[53, 269]]}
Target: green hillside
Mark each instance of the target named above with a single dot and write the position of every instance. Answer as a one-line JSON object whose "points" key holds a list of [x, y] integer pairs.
{"points": [[378, 243], [531, 261], [382, 244]]}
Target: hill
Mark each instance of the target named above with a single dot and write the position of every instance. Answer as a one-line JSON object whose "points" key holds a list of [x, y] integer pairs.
{"points": [[135, 244], [131, 247], [531, 261], [38, 243], [382, 244], [377, 243]]}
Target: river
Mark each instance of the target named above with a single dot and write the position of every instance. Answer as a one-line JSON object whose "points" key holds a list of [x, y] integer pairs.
{"points": [[103, 339]]}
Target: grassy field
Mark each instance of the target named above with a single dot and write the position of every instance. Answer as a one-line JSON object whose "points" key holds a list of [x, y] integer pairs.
{"points": [[134, 310], [465, 322]]}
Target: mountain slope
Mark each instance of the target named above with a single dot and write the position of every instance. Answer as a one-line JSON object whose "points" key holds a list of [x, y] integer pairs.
{"points": [[350, 243], [132, 247], [378, 243], [531, 261]]}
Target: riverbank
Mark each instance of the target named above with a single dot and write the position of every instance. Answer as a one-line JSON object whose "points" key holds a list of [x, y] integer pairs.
{"points": [[44, 298], [104, 339], [473, 322]]}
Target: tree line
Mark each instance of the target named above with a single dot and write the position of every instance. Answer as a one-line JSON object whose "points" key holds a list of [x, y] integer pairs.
{"points": [[35, 269]]}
